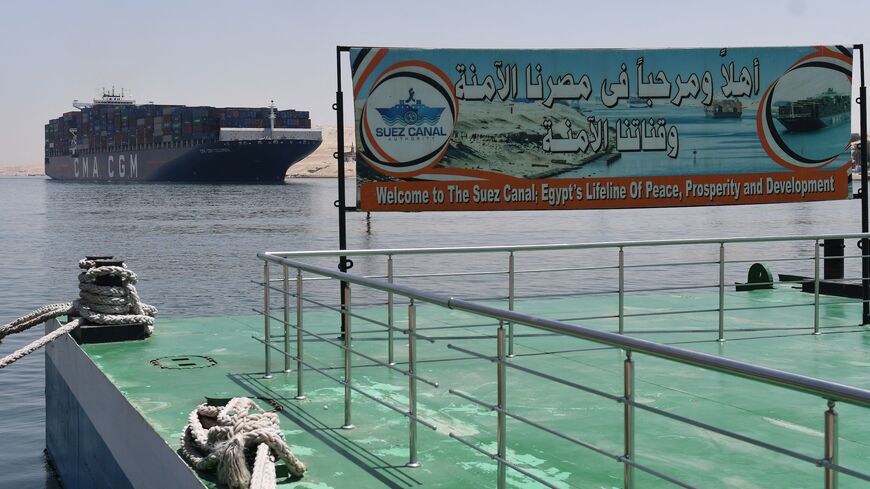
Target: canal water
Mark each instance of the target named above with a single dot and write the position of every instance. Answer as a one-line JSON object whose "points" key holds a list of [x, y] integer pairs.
{"points": [[194, 248]]}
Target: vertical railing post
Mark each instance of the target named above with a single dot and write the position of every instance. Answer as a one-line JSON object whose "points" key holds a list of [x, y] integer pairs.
{"points": [[412, 386], [721, 291], [816, 292], [390, 318], [502, 404], [628, 421], [299, 390], [286, 318], [266, 322], [621, 290], [511, 303], [347, 357], [831, 436]]}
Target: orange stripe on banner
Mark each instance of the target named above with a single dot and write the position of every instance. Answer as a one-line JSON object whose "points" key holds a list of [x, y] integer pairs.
{"points": [[823, 52], [605, 193], [368, 71], [827, 51]]}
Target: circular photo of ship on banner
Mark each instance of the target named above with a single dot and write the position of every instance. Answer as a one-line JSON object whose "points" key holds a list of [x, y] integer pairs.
{"points": [[804, 117], [408, 119]]}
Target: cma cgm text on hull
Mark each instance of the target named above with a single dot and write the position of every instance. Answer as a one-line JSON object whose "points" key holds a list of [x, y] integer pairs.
{"points": [[113, 139]]}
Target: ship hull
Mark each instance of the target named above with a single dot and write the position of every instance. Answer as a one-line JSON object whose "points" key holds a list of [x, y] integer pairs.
{"points": [[807, 124], [256, 161]]}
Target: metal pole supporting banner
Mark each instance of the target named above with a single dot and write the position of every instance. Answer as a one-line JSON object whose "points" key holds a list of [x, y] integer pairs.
{"points": [[865, 244], [339, 155]]}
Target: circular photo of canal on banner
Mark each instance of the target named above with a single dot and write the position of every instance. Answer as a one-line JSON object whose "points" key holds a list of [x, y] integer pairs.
{"points": [[408, 118], [804, 118]]}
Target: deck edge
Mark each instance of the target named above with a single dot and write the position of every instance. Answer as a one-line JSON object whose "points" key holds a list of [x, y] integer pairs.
{"points": [[94, 436]]}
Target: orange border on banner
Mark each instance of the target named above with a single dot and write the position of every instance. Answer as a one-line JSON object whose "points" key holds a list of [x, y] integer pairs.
{"points": [[607, 193]]}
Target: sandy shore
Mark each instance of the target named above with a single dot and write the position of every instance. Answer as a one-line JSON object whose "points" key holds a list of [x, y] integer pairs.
{"points": [[319, 164], [21, 171]]}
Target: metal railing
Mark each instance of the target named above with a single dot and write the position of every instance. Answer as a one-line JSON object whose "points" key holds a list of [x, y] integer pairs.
{"points": [[504, 319], [622, 268], [344, 344]]}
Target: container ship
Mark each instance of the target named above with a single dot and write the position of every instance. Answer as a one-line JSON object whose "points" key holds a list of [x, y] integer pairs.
{"points": [[114, 139], [827, 109], [724, 109]]}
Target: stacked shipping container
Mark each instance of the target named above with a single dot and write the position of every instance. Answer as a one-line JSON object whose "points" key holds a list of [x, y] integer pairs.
{"points": [[111, 126]]}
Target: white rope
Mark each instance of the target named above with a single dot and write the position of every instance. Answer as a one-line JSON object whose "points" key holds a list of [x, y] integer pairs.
{"points": [[38, 316], [27, 350], [223, 438], [97, 304]]}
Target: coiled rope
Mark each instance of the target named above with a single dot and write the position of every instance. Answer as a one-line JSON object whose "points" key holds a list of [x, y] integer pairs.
{"points": [[97, 304], [225, 438]]}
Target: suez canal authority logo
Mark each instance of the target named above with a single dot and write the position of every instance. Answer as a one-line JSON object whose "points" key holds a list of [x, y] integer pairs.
{"points": [[407, 119]]}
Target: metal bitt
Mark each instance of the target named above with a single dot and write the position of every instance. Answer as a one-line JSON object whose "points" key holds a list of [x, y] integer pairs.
{"points": [[412, 387], [502, 404], [628, 425], [621, 290], [266, 315], [345, 326], [390, 318], [830, 446], [721, 292], [286, 318], [511, 275], [816, 292], [299, 335]]}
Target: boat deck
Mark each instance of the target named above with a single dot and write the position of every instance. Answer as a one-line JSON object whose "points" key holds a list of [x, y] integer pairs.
{"points": [[374, 453]]}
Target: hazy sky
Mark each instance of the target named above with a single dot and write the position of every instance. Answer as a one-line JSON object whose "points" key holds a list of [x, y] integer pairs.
{"points": [[245, 53]]}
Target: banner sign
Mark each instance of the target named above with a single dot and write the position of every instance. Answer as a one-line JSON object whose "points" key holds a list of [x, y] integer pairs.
{"points": [[455, 129]]}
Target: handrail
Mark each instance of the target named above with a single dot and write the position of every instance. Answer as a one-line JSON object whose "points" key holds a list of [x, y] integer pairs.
{"points": [[822, 388], [562, 246]]}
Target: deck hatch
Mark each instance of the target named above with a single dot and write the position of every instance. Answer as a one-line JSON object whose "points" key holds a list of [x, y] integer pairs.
{"points": [[184, 362]]}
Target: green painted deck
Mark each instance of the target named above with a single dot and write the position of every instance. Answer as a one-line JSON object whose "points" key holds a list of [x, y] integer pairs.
{"points": [[374, 453]]}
